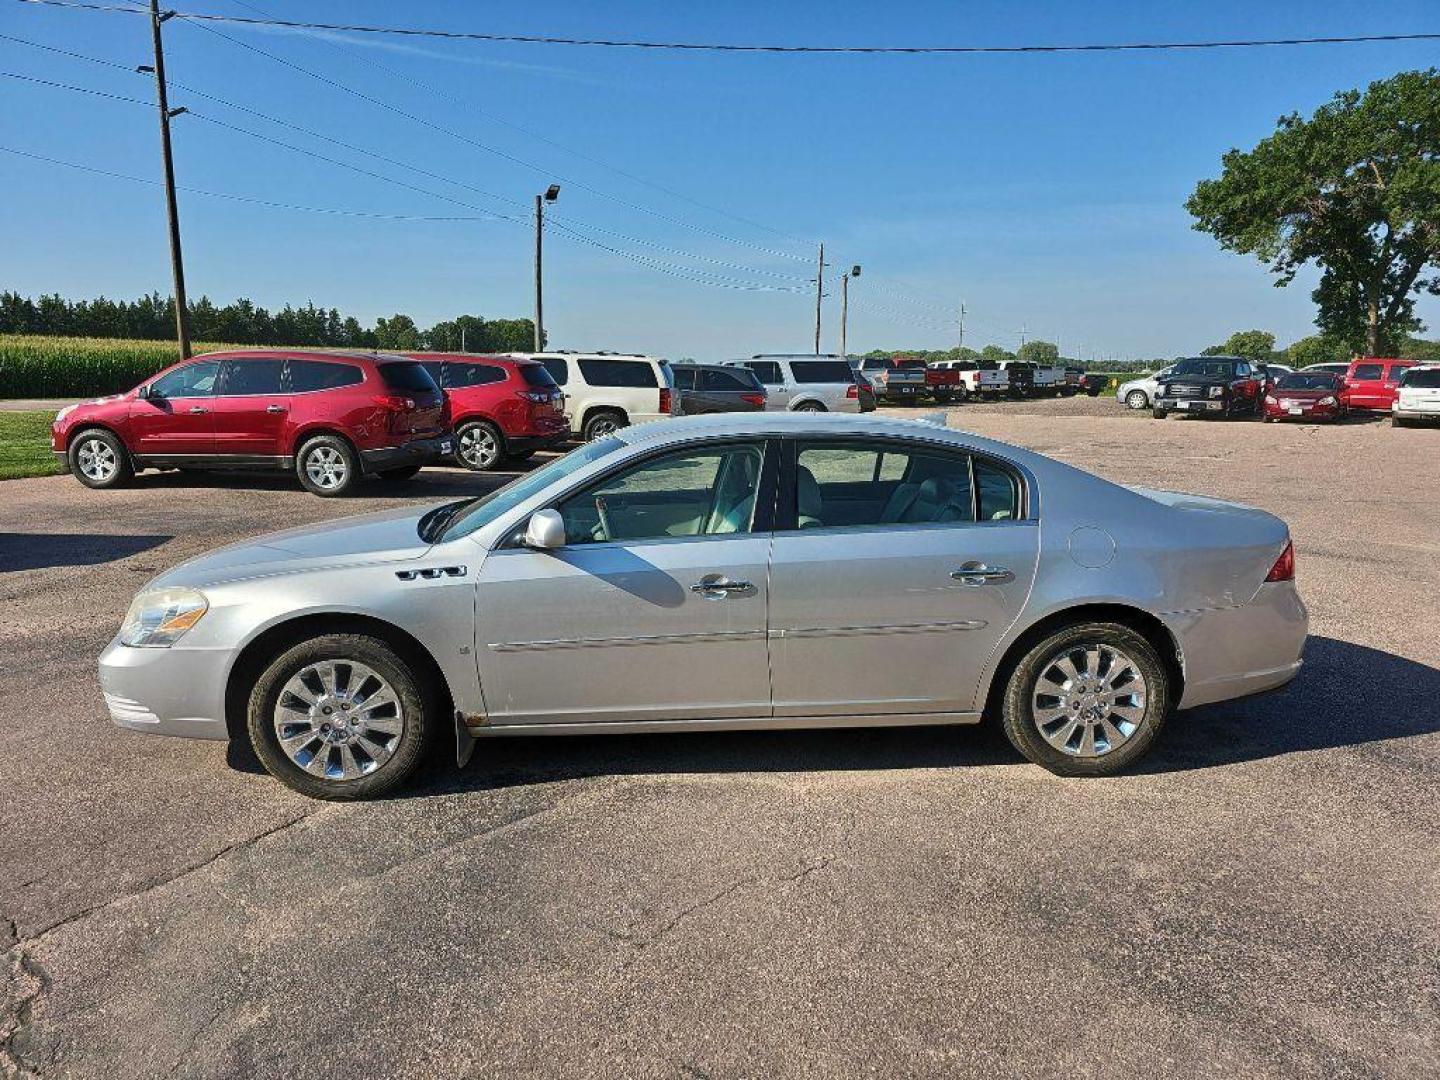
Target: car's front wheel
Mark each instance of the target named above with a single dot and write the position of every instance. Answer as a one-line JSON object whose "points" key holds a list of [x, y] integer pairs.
{"points": [[1087, 701], [809, 406], [98, 459], [1136, 400], [327, 465], [1158, 413], [341, 716]]}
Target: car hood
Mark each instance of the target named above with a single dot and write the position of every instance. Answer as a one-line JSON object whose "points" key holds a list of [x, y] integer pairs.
{"points": [[1302, 395], [366, 539]]}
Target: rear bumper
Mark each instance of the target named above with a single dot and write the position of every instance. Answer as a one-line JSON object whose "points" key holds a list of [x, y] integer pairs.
{"points": [[174, 691], [415, 452], [1413, 412], [1234, 652]]}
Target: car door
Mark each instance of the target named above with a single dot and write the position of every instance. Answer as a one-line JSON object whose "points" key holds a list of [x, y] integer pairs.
{"points": [[891, 602], [654, 609], [174, 419], [252, 408], [1366, 381]]}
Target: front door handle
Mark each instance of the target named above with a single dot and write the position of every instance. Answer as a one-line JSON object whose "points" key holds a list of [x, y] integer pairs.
{"points": [[977, 573], [274, 408], [197, 410], [719, 587]]}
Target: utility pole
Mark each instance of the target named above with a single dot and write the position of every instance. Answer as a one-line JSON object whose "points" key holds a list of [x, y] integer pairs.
{"points": [[960, 338], [177, 264], [819, 292], [844, 307], [551, 194]]}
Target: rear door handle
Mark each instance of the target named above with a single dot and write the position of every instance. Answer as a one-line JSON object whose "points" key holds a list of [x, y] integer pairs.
{"points": [[719, 587], [196, 410], [977, 573], [274, 408]]}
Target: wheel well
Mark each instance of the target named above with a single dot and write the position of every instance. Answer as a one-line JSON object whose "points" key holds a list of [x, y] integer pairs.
{"points": [[1142, 622], [820, 405], [312, 433], [585, 417], [256, 655], [81, 429]]}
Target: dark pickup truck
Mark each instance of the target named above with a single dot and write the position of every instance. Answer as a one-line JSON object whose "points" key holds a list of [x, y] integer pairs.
{"points": [[1209, 386]]}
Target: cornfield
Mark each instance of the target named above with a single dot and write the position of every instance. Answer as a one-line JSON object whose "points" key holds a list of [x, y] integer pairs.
{"points": [[33, 366]]}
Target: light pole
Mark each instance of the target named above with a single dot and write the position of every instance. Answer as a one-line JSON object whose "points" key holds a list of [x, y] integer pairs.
{"points": [[845, 306], [551, 194]]}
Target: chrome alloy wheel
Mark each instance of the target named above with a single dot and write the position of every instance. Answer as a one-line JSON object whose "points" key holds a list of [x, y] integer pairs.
{"points": [[326, 467], [1088, 700], [604, 425], [338, 720], [97, 460], [479, 448]]}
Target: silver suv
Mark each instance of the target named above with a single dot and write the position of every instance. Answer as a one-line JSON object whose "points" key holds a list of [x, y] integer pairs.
{"points": [[804, 382]]}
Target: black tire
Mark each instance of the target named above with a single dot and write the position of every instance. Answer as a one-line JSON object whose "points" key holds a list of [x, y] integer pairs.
{"points": [[404, 472], [603, 422], [962, 394], [1018, 718], [809, 406], [327, 466], [1137, 400], [418, 712], [479, 446], [1158, 413], [99, 460]]}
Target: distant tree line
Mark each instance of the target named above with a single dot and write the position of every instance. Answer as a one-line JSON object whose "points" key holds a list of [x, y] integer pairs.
{"points": [[242, 322]]}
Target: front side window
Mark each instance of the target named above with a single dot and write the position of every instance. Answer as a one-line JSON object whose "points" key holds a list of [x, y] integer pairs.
{"points": [[307, 375], [1367, 372], [635, 373], [703, 491], [465, 517], [192, 380], [821, 371], [244, 378], [861, 484]]}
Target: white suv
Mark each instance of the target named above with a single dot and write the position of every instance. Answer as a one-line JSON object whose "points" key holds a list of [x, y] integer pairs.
{"points": [[605, 391], [803, 382], [1419, 395]]}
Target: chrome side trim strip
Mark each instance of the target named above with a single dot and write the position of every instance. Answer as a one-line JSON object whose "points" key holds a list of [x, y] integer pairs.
{"points": [[481, 728], [621, 642], [853, 631]]}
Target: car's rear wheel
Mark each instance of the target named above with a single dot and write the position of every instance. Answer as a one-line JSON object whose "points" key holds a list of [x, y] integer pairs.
{"points": [[603, 422], [1087, 701], [809, 406], [327, 466], [341, 716], [479, 446], [1136, 400], [98, 459]]}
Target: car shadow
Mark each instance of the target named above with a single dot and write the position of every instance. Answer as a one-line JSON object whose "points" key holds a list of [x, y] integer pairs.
{"points": [[428, 484], [38, 551], [1345, 695]]}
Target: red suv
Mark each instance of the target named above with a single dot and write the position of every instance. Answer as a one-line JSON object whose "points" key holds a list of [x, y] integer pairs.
{"points": [[1374, 382], [330, 416], [500, 406]]}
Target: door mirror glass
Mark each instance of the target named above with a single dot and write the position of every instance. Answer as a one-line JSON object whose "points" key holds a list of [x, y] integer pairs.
{"points": [[545, 531], [143, 393]]}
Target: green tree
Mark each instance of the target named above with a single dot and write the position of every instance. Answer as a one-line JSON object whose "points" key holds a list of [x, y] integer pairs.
{"points": [[1355, 190], [1316, 349], [1254, 345], [397, 334], [1039, 352], [994, 354]]}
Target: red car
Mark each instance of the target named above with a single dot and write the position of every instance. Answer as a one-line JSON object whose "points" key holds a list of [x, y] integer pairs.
{"points": [[1374, 382], [500, 406], [330, 416], [1307, 395]]}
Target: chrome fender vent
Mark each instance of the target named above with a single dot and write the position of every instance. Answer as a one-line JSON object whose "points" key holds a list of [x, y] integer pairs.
{"points": [[429, 573]]}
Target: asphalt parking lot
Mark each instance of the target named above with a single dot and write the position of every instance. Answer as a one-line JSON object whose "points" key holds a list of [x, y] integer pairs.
{"points": [[1262, 898]]}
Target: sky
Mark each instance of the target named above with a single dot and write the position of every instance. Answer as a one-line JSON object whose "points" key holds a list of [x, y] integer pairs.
{"points": [[1045, 191]]}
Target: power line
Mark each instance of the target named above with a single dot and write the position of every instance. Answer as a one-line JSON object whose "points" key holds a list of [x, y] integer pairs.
{"points": [[735, 47]]}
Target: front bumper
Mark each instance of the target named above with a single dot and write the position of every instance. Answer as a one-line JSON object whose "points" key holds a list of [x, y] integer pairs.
{"points": [[1421, 412], [174, 691], [1302, 411], [1215, 406], [415, 452]]}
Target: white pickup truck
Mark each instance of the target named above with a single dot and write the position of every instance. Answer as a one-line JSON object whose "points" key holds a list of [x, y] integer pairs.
{"points": [[975, 380]]}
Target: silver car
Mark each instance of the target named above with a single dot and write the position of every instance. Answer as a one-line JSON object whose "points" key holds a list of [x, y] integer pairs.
{"points": [[741, 571], [1140, 393]]}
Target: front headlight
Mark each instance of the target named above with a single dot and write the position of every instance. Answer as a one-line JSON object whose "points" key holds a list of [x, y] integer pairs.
{"points": [[1217, 391], [66, 411], [1327, 400], [158, 619]]}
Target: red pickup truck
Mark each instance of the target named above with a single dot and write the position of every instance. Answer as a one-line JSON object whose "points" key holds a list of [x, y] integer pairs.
{"points": [[1373, 382], [909, 378]]}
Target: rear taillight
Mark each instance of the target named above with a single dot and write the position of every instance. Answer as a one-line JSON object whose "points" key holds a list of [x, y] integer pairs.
{"points": [[1284, 568], [853, 390], [395, 402], [538, 396], [757, 400], [665, 399]]}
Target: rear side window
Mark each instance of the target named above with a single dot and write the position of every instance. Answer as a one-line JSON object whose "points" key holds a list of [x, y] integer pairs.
{"points": [[618, 373], [1422, 380], [463, 375], [1365, 372], [536, 375], [859, 484], [997, 492], [307, 375], [245, 377], [408, 377], [821, 371], [768, 371], [436, 368], [559, 370]]}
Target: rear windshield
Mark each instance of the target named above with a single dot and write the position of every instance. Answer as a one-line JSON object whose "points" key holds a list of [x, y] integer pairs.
{"points": [[1210, 369], [536, 375], [821, 371], [409, 376], [618, 372], [1425, 380], [1316, 380]]}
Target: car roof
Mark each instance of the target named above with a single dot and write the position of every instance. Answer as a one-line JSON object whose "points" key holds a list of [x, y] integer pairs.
{"points": [[494, 358], [298, 354], [585, 356]]}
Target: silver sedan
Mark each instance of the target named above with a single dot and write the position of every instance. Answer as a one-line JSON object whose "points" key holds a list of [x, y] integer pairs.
{"points": [[724, 572]]}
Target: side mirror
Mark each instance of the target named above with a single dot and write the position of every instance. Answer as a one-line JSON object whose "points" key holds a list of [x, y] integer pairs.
{"points": [[545, 531], [143, 393]]}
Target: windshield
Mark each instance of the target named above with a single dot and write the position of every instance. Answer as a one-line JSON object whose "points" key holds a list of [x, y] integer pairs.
{"points": [[466, 517], [1212, 369], [1318, 380], [1425, 379]]}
